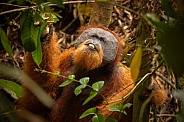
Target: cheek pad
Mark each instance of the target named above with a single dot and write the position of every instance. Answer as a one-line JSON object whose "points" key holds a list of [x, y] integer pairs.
{"points": [[109, 42]]}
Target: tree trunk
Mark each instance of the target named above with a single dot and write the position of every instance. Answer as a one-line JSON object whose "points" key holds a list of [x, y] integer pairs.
{"points": [[101, 13]]}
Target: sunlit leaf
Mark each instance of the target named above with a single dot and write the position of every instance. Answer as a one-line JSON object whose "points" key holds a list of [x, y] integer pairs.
{"points": [[5, 42], [71, 77], [68, 81], [97, 85], [124, 112], [88, 112], [98, 118], [136, 63], [78, 89], [92, 95], [116, 107], [84, 80], [127, 105], [54, 18], [57, 74], [12, 86]]}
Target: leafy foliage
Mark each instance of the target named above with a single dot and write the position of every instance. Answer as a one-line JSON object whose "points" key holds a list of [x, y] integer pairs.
{"points": [[136, 63], [16, 90], [91, 96], [68, 81], [84, 83], [169, 30], [37, 53], [88, 112], [5, 42], [28, 32], [120, 108], [98, 85], [95, 118], [98, 118]]}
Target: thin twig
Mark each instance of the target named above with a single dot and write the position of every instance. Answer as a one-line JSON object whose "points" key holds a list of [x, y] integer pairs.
{"points": [[64, 29], [26, 7], [14, 10], [126, 8], [144, 106], [141, 82], [165, 79], [8, 4], [160, 115]]}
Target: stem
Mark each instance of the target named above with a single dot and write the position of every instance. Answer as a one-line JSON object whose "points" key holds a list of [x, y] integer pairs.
{"points": [[59, 75], [144, 106], [128, 9], [26, 7]]}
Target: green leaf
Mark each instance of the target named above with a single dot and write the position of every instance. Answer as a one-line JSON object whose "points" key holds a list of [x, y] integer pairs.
{"points": [[127, 105], [28, 35], [57, 74], [5, 42], [68, 81], [108, 119], [84, 80], [98, 118], [37, 54], [116, 107], [153, 17], [54, 18], [12, 86], [24, 15], [88, 112], [72, 77], [37, 17], [124, 112], [136, 63], [78, 89], [154, 20], [98, 85], [92, 95]]}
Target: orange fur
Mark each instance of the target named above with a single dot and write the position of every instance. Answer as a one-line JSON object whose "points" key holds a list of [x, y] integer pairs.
{"points": [[82, 62], [50, 63], [159, 93], [86, 59]]}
